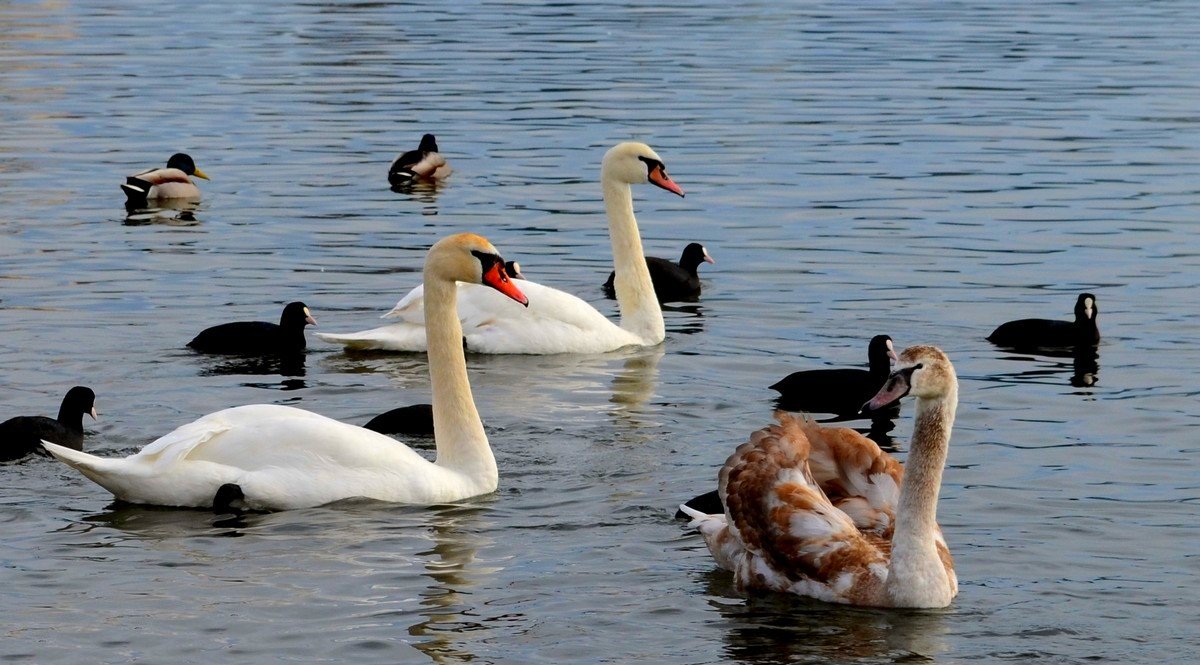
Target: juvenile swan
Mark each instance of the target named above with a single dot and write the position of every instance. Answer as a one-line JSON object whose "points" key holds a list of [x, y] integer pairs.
{"points": [[823, 512]]}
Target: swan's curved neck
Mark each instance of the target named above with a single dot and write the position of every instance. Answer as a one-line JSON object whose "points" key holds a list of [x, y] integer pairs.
{"points": [[916, 570], [461, 442], [640, 311]]}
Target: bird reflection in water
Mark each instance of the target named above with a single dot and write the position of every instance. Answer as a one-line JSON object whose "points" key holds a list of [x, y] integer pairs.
{"points": [[167, 212], [782, 628], [684, 319], [448, 615], [1084, 367], [288, 365], [424, 192]]}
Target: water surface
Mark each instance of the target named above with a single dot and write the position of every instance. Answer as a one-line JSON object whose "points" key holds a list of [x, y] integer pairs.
{"points": [[925, 170]]}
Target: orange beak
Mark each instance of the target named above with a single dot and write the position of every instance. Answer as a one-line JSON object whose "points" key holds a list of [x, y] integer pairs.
{"points": [[497, 278], [659, 177]]}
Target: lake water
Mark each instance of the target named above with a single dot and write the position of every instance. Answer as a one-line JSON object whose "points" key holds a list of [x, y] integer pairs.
{"points": [[921, 169]]}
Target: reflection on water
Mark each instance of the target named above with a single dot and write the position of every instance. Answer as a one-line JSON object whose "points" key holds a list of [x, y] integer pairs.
{"points": [[780, 628], [446, 603], [852, 182], [424, 192], [168, 212], [1083, 368], [634, 384], [283, 364], [686, 320]]}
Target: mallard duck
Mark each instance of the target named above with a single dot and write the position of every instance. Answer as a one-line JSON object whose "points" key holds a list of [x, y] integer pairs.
{"points": [[171, 182], [424, 163]]}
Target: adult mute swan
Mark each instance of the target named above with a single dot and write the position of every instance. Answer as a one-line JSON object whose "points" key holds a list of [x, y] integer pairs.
{"points": [[823, 512], [555, 321], [278, 457]]}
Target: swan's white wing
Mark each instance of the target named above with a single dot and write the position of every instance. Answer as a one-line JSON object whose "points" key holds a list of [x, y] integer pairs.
{"points": [[554, 322], [412, 306]]}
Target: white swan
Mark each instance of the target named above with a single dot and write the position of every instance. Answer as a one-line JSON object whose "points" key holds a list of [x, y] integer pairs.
{"points": [[280, 457], [824, 513], [555, 321]]}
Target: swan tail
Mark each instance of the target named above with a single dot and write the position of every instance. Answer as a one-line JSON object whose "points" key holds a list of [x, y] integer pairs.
{"points": [[106, 473], [399, 337], [708, 525]]}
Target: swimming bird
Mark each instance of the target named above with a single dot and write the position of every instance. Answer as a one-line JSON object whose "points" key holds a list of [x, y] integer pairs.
{"points": [[823, 512], [555, 321], [258, 337], [672, 281], [171, 182], [1048, 333], [272, 457], [417, 419], [23, 435], [838, 391], [412, 420], [424, 163]]}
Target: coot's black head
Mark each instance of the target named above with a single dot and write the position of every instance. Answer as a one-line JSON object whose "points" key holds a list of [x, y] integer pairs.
{"points": [[693, 255], [296, 315], [428, 144], [183, 162], [881, 353], [513, 269], [79, 400], [1085, 308]]}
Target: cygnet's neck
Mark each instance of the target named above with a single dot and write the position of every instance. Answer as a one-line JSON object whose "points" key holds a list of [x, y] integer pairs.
{"points": [[917, 576]]}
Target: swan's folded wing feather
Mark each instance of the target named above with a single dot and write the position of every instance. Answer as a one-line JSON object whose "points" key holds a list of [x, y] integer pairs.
{"points": [[857, 476], [179, 442], [789, 528], [554, 322], [411, 307]]}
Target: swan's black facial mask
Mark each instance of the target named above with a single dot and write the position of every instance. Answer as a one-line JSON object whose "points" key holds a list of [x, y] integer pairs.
{"points": [[496, 277]]}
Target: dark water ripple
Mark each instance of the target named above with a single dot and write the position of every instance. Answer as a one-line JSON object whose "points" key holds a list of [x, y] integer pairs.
{"points": [[927, 170]]}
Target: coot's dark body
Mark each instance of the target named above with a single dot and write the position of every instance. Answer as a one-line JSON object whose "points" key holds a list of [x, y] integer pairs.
{"points": [[1048, 333], [23, 435], [258, 337], [415, 420], [672, 281], [838, 391]]}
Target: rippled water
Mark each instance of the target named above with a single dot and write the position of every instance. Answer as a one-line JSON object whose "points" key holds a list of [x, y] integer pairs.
{"points": [[926, 170]]}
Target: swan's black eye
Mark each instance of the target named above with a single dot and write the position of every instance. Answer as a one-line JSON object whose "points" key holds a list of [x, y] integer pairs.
{"points": [[487, 260], [652, 164], [917, 366]]}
